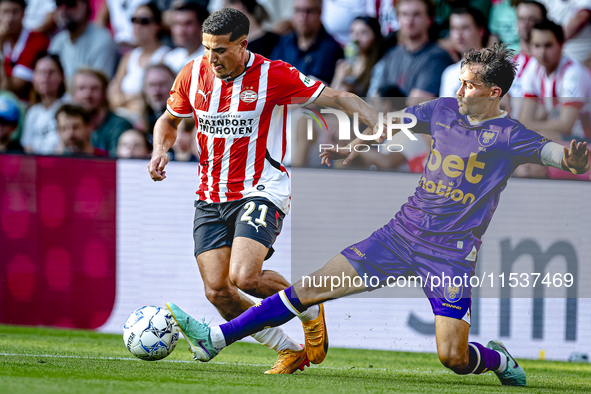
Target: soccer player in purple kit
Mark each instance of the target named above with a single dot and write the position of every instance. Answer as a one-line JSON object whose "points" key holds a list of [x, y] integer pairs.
{"points": [[476, 147]]}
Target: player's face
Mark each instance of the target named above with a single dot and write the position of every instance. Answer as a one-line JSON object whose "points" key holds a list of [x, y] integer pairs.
{"points": [[474, 98], [527, 16], [546, 48], [225, 57], [464, 32]]}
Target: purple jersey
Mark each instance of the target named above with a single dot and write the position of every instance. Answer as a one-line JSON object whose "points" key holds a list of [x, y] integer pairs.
{"points": [[467, 170]]}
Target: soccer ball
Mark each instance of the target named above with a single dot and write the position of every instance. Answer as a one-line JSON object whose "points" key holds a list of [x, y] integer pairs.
{"points": [[149, 333]]}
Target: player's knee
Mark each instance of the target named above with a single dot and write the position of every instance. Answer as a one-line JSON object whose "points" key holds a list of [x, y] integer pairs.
{"points": [[217, 295], [244, 281], [453, 360]]}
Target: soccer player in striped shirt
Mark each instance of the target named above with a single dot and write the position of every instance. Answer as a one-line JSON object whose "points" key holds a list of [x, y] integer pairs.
{"points": [[475, 149], [240, 102]]}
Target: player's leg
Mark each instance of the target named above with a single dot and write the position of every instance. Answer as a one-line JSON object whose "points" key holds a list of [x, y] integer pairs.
{"points": [[452, 343], [246, 274], [258, 222], [246, 271], [379, 255], [451, 306], [270, 312], [212, 237], [214, 266], [463, 357]]}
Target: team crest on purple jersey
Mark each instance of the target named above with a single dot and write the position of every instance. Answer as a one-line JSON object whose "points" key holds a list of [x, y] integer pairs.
{"points": [[452, 293], [487, 137]]}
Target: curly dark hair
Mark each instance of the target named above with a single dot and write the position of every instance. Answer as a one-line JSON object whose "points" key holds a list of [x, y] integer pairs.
{"points": [[227, 21], [497, 67]]}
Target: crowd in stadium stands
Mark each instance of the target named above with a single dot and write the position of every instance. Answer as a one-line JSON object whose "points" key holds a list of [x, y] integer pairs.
{"points": [[91, 77]]}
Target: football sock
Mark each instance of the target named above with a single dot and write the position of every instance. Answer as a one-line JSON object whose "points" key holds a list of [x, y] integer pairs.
{"points": [[275, 338], [503, 364], [271, 312], [217, 338], [310, 314], [483, 359]]}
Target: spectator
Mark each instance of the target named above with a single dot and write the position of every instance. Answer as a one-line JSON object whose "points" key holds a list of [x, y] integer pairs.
{"points": [[20, 49], [185, 146], [467, 29], [117, 14], [259, 40], [187, 17], [132, 144], [74, 131], [353, 73], [9, 118], [528, 14], [89, 90], [40, 129], [414, 65], [575, 17], [443, 9], [125, 90], [82, 44], [503, 23], [309, 48], [158, 81], [559, 86]]}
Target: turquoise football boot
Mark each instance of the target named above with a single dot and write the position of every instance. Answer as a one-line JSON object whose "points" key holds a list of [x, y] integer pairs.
{"points": [[513, 375], [196, 334]]}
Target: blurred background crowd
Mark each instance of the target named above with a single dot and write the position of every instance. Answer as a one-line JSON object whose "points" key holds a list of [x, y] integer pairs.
{"points": [[90, 77]]}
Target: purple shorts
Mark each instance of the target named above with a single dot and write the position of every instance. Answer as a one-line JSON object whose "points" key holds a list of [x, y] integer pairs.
{"points": [[446, 278]]}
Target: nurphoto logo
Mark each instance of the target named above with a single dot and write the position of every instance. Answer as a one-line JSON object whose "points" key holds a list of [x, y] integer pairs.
{"points": [[344, 126]]}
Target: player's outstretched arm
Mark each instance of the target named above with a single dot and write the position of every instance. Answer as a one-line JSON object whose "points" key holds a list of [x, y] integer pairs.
{"points": [[348, 153], [576, 158], [164, 137], [350, 104]]}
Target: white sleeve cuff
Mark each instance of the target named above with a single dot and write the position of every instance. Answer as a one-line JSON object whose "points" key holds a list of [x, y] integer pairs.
{"points": [[552, 154], [314, 96], [177, 114]]}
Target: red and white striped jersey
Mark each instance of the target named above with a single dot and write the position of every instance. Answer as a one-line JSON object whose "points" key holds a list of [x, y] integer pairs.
{"points": [[242, 126], [569, 84], [525, 65]]}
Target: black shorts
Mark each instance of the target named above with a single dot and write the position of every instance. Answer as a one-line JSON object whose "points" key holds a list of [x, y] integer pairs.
{"points": [[216, 224]]}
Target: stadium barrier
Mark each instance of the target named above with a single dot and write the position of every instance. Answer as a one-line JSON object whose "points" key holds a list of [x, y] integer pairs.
{"points": [[85, 242]]}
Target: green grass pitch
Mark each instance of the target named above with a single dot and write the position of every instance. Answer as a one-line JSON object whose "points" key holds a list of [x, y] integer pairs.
{"points": [[41, 360]]}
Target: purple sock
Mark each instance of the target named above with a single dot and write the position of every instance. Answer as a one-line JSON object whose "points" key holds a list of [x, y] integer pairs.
{"points": [[482, 359], [271, 312]]}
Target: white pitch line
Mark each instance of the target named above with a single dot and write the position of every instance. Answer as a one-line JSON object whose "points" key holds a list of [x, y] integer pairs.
{"points": [[211, 362]]}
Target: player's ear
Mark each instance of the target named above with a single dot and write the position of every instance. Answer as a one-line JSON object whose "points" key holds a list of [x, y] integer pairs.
{"points": [[495, 92], [243, 44]]}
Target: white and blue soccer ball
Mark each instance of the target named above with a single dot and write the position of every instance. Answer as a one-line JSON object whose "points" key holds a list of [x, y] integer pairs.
{"points": [[150, 333]]}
